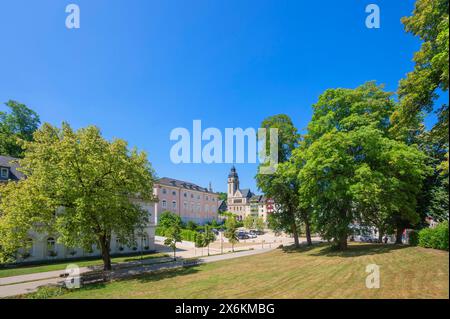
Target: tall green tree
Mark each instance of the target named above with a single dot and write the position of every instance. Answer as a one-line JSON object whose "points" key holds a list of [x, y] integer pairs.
{"points": [[349, 159], [282, 186], [420, 89], [80, 187], [18, 124]]}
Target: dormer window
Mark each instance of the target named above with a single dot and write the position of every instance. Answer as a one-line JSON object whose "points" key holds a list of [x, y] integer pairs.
{"points": [[4, 172]]}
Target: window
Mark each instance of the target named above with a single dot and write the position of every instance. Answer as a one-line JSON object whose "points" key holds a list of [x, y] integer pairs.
{"points": [[164, 191], [144, 241], [174, 193], [206, 197], [192, 195], [185, 194], [51, 245], [164, 204], [174, 204], [185, 206], [4, 172]]}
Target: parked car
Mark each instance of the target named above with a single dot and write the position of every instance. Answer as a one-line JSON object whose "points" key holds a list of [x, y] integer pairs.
{"points": [[368, 239], [243, 235], [365, 238], [256, 232]]}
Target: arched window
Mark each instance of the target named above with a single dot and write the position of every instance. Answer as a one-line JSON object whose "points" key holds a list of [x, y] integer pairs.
{"points": [[164, 204], [174, 204]]}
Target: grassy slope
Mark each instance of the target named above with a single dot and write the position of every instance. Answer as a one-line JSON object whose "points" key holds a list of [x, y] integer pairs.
{"points": [[406, 272], [7, 272]]}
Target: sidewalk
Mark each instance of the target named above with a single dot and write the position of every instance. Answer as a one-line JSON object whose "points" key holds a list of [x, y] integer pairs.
{"points": [[17, 285]]}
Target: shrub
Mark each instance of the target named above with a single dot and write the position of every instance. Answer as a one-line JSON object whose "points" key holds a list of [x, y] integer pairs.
{"points": [[188, 235], [46, 292], [191, 225], [159, 231], [436, 238]]}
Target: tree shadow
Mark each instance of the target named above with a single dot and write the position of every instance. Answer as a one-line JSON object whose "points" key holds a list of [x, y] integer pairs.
{"points": [[166, 274], [303, 248], [353, 249]]}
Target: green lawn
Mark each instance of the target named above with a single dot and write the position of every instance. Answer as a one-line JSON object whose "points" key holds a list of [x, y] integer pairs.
{"points": [[7, 272], [406, 272]]}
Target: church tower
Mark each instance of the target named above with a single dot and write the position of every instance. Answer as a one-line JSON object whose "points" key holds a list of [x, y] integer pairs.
{"points": [[233, 182]]}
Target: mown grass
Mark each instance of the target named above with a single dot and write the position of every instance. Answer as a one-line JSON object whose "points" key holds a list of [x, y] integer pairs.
{"points": [[25, 270], [318, 272]]}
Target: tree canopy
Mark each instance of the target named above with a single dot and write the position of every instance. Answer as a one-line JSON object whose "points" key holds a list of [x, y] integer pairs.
{"points": [[79, 186], [19, 124]]}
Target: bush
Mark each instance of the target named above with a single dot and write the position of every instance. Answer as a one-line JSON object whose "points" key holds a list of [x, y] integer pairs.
{"points": [[191, 225], [436, 238], [159, 231], [188, 235]]}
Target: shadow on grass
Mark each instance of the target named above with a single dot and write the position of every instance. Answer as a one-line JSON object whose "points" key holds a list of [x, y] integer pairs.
{"points": [[353, 249], [166, 274]]}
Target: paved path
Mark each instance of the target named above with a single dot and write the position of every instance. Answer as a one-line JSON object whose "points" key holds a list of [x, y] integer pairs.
{"points": [[16, 285]]}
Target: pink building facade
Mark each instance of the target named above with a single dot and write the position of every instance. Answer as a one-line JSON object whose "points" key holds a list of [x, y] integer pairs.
{"points": [[189, 201]]}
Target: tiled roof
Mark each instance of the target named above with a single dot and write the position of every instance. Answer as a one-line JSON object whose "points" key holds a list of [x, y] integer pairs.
{"points": [[182, 184], [14, 174], [246, 192]]}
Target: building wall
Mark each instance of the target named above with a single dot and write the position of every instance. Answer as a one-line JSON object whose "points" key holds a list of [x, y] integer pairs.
{"points": [[44, 247], [190, 205]]}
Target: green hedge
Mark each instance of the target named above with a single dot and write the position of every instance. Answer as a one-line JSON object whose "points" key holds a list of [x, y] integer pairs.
{"points": [[186, 234], [436, 238]]}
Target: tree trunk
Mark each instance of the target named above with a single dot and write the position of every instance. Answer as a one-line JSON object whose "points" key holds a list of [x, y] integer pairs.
{"points": [[295, 234], [398, 235], [343, 242], [380, 236], [308, 232], [174, 253], [105, 245]]}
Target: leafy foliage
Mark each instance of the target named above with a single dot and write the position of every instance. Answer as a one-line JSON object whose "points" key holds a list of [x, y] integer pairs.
{"points": [[353, 170], [19, 124], [435, 237], [80, 187], [419, 89]]}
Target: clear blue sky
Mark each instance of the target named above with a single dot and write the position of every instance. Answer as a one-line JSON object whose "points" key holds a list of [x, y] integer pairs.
{"points": [[228, 63]]}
